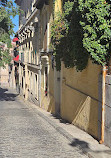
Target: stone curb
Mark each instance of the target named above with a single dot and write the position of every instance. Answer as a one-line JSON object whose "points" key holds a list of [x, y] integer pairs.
{"points": [[65, 133]]}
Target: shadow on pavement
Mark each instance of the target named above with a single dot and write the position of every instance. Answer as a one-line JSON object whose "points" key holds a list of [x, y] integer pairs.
{"points": [[5, 95], [60, 119], [79, 143], [84, 146]]}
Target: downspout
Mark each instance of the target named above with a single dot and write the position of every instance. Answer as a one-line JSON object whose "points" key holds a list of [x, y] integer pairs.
{"points": [[103, 104]]}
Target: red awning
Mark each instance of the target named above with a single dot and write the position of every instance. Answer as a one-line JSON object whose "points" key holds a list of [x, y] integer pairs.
{"points": [[16, 58], [15, 39]]}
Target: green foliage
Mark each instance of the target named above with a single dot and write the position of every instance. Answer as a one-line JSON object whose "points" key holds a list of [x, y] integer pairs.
{"points": [[96, 24], [7, 9], [82, 31], [4, 57], [59, 29]]}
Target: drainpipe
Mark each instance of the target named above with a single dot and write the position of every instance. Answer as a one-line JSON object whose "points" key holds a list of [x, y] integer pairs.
{"points": [[103, 104]]}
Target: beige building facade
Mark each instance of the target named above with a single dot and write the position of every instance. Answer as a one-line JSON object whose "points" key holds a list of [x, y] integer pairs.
{"points": [[28, 51], [4, 76], [34, 53], [4, 71], [12, 83], [75, 96]]}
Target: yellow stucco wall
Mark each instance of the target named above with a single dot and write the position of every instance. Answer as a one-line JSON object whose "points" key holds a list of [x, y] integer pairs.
{"points": [[51, 106], [80, 97], [58, 5], [48, 102]]}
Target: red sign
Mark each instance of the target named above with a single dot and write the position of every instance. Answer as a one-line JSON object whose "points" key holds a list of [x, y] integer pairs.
{"points": [[16, 58], [15, 39]]}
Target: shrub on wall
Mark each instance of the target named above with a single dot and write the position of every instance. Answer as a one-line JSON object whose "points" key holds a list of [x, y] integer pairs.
{"points": [[81, 31]]}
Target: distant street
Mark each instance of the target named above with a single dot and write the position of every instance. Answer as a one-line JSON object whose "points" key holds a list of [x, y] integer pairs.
{"points": [[24, 134]]}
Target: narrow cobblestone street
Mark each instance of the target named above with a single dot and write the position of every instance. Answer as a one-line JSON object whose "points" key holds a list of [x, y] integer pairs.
{"points": [[24, 134]]}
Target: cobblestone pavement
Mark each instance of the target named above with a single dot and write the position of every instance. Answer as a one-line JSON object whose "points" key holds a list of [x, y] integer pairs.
{"points": [[24, 134]]}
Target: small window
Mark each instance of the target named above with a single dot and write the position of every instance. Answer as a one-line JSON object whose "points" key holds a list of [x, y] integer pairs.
{"points": [[35, 57], [25, 14], [22, 82], [29, 45], [31, 6], [36, 85], [31, 82], [46, 81], [30, 34]]}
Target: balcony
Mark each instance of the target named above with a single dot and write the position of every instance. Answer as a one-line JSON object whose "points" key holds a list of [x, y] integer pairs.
{"points": [[39, 3]]}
